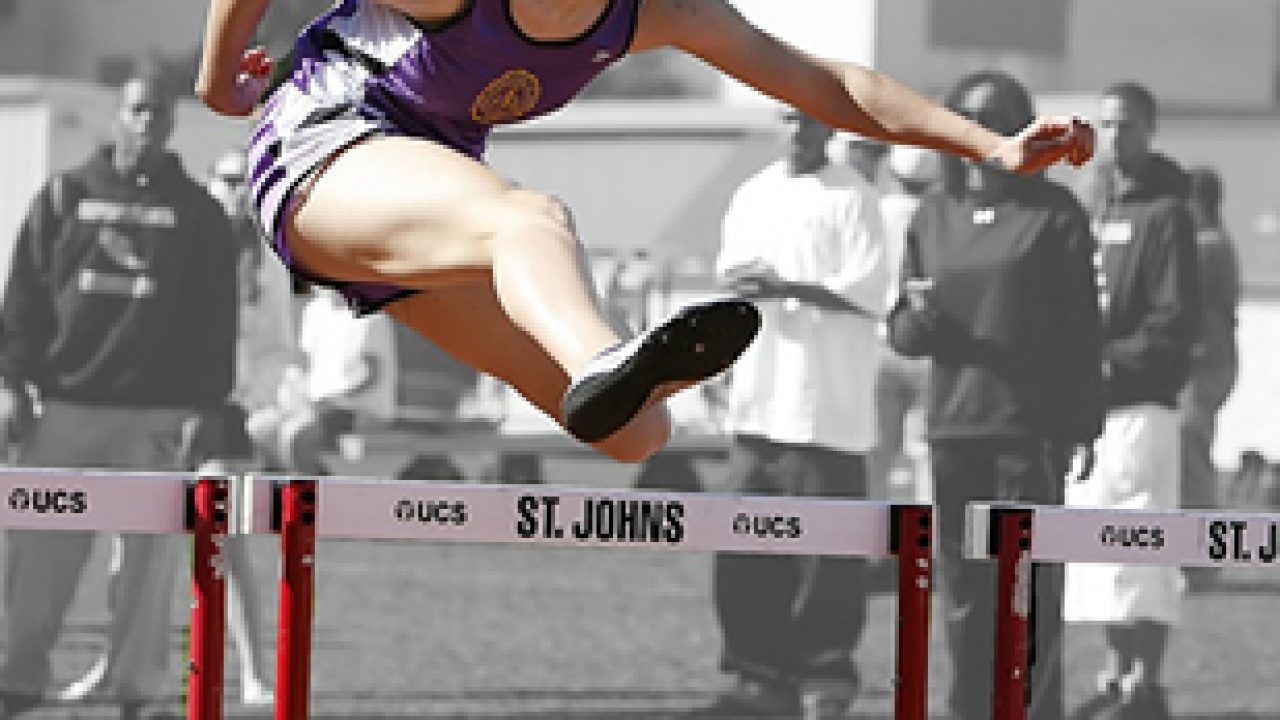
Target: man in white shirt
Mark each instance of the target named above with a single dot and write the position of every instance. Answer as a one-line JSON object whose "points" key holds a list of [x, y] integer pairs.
{"points": [[804, 239]]}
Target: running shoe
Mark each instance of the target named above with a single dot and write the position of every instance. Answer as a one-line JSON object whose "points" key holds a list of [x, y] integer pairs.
{"points": [[695, 343]]}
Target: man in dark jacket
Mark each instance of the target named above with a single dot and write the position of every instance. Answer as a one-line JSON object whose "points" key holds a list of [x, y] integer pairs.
{"points": [[998, 291], [120, 316], [1150, 301]]}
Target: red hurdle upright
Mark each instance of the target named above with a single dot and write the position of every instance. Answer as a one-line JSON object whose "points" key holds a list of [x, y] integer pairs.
{"points": [[297, 527], [913, 544], [1012, 528], [208, 505]]}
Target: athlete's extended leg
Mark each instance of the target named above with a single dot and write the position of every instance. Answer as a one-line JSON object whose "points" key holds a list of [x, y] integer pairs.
{"points": [[467, 321], [419, 215]]}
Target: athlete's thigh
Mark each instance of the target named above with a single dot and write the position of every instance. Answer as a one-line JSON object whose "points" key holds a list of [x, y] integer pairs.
{"points": [[394, 208], [466, 321]]}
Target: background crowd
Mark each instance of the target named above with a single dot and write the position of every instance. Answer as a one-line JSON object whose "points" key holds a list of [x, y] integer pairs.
{"points": [[934, 329]]}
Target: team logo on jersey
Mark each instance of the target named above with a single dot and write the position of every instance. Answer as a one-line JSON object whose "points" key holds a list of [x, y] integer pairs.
{"points": [[508, 98]]}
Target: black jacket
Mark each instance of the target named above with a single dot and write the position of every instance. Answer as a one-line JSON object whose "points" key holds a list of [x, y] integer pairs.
{"points": [[122, 290], [1013, 332], [1151, 287]]}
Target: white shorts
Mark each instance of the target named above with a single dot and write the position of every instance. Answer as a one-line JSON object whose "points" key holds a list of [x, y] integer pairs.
{"points": [[1138, 464]]}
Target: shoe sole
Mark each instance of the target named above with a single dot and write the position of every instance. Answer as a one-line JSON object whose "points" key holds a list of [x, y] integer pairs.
{"points": [[698, 343]]}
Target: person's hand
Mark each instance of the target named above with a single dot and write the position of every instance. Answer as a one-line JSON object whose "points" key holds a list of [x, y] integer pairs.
{"points": [[16, 415], [757, 282], [1081, 464], [919, 293], [241, 96], [1044, 142]]}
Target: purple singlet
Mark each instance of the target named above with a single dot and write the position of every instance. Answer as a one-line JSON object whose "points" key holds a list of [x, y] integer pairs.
{"points": [[364, 69]]}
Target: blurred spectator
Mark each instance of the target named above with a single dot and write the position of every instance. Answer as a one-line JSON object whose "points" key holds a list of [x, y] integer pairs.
{"points": [[264, 350], [1148, 290], [998, 291], [901, 381], [120, 316], [267, 344], [1214, 360], [347, 378], [635, 288], [803, 238]]}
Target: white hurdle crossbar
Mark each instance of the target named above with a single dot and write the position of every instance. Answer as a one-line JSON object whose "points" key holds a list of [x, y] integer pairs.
{"points": [[48, 499], [301, 510], [1017, 536]]}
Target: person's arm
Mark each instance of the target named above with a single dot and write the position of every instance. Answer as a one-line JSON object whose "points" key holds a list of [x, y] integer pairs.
{"points": [[846, 95], [27, 320], [232, 77], [914, 320], [1077, 330], [214, 278], [858, 283]]}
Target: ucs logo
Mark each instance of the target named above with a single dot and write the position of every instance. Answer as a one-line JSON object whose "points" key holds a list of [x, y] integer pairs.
{"points": [[767, 526], [431, 512], [1132, 536], [48, 500]]}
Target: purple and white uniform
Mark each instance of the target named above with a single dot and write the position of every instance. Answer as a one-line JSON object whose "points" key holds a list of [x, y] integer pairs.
{"points": [[363, 69]]}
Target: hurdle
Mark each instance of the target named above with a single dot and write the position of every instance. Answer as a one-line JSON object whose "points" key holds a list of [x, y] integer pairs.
{"points": [[1018, 536], [300, 510], [148, 503]]}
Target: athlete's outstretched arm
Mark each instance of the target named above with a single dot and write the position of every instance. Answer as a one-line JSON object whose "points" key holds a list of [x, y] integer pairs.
{"points": [[846, 95], [232, 77]]}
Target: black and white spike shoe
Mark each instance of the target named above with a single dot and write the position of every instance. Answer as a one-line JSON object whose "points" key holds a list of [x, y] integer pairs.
{"points": [[696, 342]]}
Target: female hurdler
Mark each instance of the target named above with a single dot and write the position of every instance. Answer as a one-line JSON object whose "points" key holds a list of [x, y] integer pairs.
{"points": [[367, 175]]}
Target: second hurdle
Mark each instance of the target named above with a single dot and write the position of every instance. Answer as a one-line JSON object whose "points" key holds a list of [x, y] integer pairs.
{"points": [[1020, 536], [301, 510]]}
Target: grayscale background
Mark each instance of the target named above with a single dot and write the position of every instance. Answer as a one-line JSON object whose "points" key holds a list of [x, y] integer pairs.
{"points": [[648, 160]]}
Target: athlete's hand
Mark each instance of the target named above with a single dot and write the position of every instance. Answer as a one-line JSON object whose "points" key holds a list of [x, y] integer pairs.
{"points": [[239, 97], [1044, 142]]}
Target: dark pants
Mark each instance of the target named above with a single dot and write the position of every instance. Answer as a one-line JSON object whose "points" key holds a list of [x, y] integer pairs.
{"points": [[791, 617], [999, 470]]}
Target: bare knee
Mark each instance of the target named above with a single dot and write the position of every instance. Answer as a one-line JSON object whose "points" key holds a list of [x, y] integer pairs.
{"points": [[534, 217]]}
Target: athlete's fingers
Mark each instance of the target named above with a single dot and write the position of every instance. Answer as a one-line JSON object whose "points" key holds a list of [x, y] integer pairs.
{"points": [[256, 62]]}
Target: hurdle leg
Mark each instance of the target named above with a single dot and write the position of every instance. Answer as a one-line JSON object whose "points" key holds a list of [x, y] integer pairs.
{"points": [[297, 595], [208, 611], [913, 542], [1013, 612]]}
